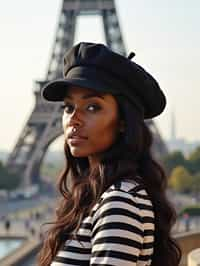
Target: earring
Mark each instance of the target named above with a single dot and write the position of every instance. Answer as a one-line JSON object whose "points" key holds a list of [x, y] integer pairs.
{"points": [[74, 129]]}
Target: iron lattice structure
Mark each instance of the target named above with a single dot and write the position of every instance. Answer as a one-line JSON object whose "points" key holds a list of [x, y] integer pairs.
{"points": [[44, 124]]}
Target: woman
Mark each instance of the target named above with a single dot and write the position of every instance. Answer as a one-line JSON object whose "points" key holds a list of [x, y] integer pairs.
{"points": [[114, 209]]}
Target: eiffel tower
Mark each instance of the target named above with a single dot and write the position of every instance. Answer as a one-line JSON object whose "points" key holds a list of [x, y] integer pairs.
{"points": [[44, 124]]}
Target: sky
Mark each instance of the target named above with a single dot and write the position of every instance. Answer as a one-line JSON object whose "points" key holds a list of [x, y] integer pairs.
{"points": [[164, 35]]}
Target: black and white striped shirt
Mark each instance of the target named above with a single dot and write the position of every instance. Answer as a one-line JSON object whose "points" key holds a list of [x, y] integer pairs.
{"points": [[119, 232]]}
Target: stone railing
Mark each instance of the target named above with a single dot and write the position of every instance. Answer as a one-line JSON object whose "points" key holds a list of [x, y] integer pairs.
{"points": [[21, 253], [188, 242], [194, 258]]}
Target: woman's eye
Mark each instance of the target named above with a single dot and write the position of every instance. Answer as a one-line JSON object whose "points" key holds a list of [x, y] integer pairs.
{"points": [[93, 107], [68, 108]]}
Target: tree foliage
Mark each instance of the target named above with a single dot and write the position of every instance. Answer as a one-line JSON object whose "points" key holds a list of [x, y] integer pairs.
{"points": [[172, 160], [195, 186], [181, 180], [176, 158], [194, 161]]}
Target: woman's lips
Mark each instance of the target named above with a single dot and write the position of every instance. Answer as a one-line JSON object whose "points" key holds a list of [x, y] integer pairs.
{"points": [[76, 140]]}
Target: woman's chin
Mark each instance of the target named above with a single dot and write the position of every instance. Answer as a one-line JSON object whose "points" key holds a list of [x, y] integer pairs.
{"points": [[78, 152]]}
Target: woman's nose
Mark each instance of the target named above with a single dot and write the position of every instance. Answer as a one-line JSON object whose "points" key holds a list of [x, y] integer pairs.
{"points": [[75, 119]]}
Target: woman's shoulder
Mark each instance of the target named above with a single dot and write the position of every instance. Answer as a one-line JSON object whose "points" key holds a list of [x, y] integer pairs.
{"points": [[124, 190], [127, 187], [125, 197]]}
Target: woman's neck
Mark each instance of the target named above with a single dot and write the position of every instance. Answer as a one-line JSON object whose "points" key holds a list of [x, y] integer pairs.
{"points": [[93, 162]]}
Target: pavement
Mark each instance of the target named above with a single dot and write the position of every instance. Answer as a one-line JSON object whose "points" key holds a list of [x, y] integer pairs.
{"points": [[27, 223]]}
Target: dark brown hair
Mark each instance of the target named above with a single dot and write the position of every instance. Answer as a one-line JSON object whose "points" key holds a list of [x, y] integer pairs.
{"points": [[130, 156]]}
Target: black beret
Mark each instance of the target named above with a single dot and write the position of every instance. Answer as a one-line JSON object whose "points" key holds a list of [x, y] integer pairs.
{"points": [[96, 66]]}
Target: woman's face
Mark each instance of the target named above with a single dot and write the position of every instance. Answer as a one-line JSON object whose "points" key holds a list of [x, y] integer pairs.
{"points": [[96, 119]]}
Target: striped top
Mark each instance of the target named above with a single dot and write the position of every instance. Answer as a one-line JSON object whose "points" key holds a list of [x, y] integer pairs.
{"points": [[119, 231]]}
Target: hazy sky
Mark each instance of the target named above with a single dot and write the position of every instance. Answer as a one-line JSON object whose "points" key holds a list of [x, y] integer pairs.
{"points": [[164, 35]]}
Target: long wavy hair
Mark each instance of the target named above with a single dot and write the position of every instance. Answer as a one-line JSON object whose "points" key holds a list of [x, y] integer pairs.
{"points": [[129, 157]]}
